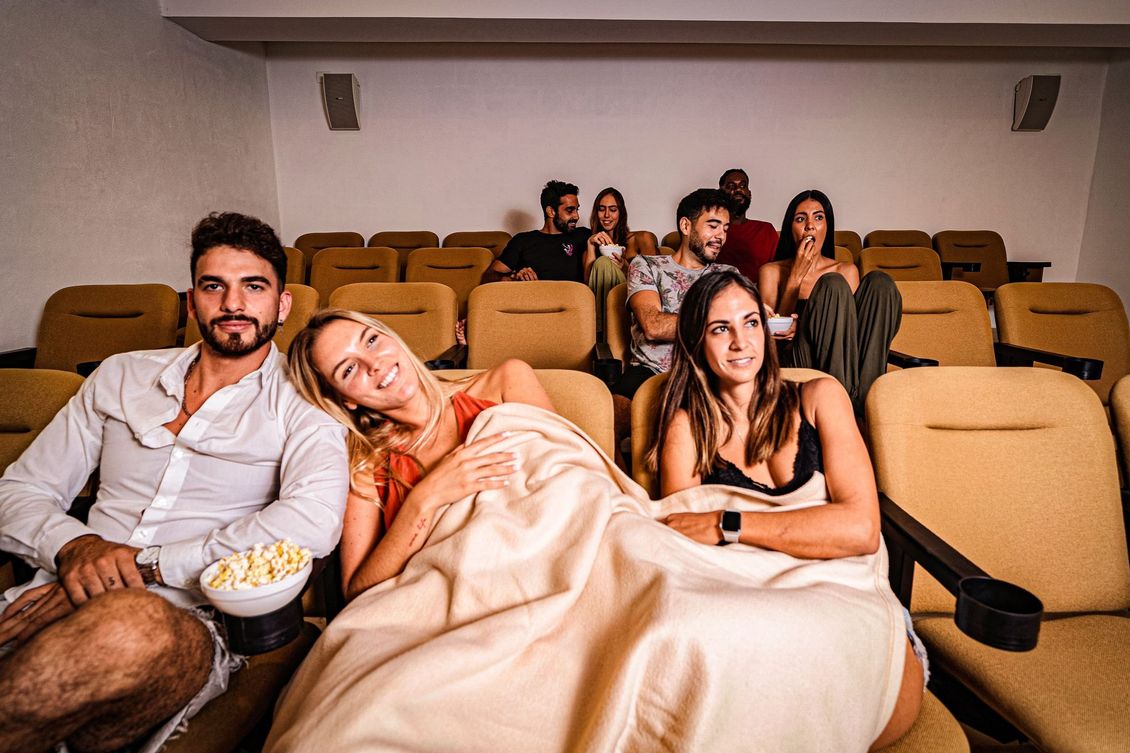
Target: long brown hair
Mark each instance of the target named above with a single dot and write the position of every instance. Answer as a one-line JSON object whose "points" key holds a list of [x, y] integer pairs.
{"points": [[620, 231], [693, 387], [372, 436]]}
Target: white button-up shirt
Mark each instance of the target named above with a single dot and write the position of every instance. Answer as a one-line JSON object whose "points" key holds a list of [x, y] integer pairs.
{"points": [[255, 463]]}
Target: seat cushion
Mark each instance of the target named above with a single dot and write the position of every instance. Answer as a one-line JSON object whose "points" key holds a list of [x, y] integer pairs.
{"points": [[1067, 695], [935, 731]]}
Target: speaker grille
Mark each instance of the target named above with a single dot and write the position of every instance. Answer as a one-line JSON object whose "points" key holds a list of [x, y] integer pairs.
{"points": [[340, 97]]}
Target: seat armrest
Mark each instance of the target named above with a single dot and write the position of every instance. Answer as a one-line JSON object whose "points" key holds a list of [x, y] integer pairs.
{"points": [[904, 361], [991, 611], [21, 358], [1017, 355], [948, 268], [452, 358], [1021, 271], [604, 366]]}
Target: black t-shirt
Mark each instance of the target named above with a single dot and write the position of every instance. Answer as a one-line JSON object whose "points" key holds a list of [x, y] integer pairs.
{"points": [[553, 257]]}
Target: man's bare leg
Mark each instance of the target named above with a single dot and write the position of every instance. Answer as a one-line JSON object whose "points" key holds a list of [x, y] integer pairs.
{"points": [[102, 677]]}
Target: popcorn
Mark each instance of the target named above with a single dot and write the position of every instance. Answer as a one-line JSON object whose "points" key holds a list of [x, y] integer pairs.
{"points": [[259, 566]]}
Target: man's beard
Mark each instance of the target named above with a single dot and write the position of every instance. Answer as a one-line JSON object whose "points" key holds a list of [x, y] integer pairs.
{"points": [[698, 248], [561, 225], [740, 204], [233, 346]]}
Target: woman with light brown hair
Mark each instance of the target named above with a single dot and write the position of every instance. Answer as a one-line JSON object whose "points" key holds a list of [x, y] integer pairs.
{"points": [[406, 435]]}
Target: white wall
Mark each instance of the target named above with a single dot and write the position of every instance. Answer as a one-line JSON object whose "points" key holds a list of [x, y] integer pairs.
{"points": [[1106, 249], [458, 138], [118, 130]]}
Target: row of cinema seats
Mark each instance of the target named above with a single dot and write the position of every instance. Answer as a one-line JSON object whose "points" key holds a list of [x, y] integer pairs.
{"points": [[300, 257], [1011, 468]]}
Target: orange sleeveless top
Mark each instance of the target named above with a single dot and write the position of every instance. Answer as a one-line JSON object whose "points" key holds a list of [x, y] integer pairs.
{"points": [[466, 408]]}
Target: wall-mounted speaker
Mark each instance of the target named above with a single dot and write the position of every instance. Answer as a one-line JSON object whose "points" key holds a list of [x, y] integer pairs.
{"points": [[341, 99], [1034, 102]]}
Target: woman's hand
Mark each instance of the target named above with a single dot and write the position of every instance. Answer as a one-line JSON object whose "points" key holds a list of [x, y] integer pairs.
{"points": [[703, 527], [602, 238], [788, 334], [807, 256], [468, 469], [35, 609]]}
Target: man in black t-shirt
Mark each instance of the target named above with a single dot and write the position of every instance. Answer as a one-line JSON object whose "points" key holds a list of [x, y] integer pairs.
{"points": [[554, 252]]}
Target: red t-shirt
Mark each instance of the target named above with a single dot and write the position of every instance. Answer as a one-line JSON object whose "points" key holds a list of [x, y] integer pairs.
{"points": [[749, 246]]}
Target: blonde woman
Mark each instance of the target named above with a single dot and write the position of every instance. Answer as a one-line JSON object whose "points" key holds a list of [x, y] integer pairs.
{"points": [[406, 435]]}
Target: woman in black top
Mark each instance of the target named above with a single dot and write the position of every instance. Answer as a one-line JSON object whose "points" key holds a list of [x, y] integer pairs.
{"points": [[726, 416]]}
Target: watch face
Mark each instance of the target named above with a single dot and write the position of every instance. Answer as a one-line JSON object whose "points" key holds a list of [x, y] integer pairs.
{"points": [[731, 521]]}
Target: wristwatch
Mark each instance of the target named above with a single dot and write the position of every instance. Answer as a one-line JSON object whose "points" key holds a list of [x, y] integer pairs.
{"points": [[731, 526], [148, 561]]}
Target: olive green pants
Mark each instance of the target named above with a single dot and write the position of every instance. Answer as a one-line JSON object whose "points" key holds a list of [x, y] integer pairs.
{"points": [[848, 336], [604, 275]]}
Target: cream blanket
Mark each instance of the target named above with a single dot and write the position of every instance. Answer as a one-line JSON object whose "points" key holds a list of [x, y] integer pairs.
{"points": [[558, 615]]}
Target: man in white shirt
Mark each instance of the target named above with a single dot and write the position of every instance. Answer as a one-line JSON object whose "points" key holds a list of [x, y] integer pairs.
{"points": [[202, 451]]}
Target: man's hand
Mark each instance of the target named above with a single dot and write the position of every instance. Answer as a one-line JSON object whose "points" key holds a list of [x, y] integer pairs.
{"points": [[703, 527], [526, 274], [35, 609], [90, 565]]}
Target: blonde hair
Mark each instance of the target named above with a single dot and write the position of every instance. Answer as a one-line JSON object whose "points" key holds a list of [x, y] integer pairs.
{"points": [[372, 436]]}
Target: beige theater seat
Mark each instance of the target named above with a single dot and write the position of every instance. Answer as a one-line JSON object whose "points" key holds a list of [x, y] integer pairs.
{"points": [[986, 248], [672, 239], [902, 262], [334, 267], [492, 240], [311, 243], [946, 321], [619, 330], [850, 240], [843, 255], [461, 269], [405, 242], [549, 324], [29, 399], [1074, 318], [92, 322], [579, 397], [295, 265], [896, 238], [422, 313], [1015, 469], [305, 302], [1120, 418]]}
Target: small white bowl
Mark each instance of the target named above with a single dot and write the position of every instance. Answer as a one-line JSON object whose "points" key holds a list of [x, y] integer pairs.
{"points": [[609, 248], [779, 325], [257, 600]]}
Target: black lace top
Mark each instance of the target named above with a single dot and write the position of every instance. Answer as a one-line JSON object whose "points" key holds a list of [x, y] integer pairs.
{"points": [[809, 459]]}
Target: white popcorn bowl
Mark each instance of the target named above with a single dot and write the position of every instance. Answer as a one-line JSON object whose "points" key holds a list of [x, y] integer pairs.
{"points": [[608, 249], [779, 325], [257, 600]]}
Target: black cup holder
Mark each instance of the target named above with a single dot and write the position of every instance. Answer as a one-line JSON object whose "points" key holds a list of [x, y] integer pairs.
{"points": [[265, 632], [998, 613]]}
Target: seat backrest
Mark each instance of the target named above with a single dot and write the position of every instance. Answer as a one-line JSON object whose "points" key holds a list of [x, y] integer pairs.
{"points": [[898, 238], [672, 239], [91, 322], [295, 265], [1120, 418], [983, 246], [405, 242], [1013, 467], [646, 242], [422, 313], [311, 243], [902, 263], [850, 240], [304, 301], [461, 269], [945, 320], [29, 399], [618, 327], [549, 324], [844, 255], [668, 250], [334, 267], [579, 397], [645, 423], [1074, 318], [492, 240]]}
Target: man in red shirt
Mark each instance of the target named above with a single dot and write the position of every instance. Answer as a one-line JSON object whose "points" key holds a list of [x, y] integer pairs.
{"points": [[750, 243]]}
